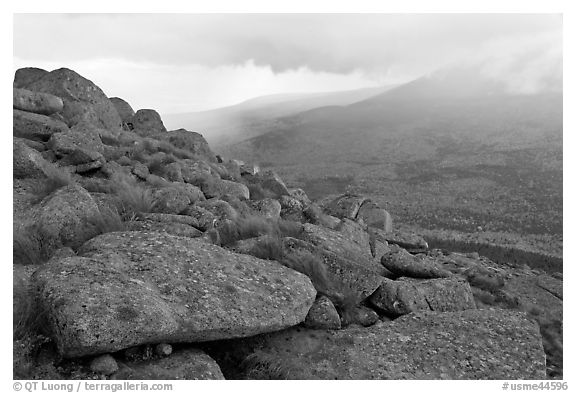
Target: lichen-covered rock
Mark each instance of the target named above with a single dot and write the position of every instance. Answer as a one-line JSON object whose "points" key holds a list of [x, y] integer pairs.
{"points": [[323, 315], [133, 288], [173, 228], [219, 188], [78, 146], [345, 206], [471, 344], [28, 163], [83, 100], [124, 110], [267, 207], [163, 349], [358, 276], [408, 295], [147, 123], [402, 263], [374, 216], [186, 364], [175, 198], [192, 142], [25, 76], [34, 126], [204, 218], [300, 195], [35, 102], [63, 216], [221, 210]]}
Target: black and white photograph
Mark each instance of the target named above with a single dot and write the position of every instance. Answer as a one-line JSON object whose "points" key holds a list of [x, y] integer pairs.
{"points": [[286, 196]]}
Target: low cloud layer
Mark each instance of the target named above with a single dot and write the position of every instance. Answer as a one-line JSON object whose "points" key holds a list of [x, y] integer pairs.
{"points": [[292, 52]]}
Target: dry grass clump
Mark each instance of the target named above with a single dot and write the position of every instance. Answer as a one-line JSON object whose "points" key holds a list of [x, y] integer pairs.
{"points": [[32, 246], [54, 180], [135, 199], [260, 365], [268, 247], [107, 220], [157, 164]]}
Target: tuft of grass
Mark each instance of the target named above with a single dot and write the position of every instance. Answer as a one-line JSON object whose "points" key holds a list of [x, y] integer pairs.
{"points": [[32, 247], [28, 314], [107, 220], [269, 247], [158, 164], [258, 193], [260, 365], [316, 216], [55, 180], [134, 198], [288, 228], [312, 266]]}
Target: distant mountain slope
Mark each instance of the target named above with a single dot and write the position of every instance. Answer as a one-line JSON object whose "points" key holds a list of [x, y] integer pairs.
{"points": [[452, 140], [256, 116]]}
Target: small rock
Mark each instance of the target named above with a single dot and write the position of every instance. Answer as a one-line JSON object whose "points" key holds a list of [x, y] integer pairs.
{"points": [[323, 315], [104, 364], [163, 349]]}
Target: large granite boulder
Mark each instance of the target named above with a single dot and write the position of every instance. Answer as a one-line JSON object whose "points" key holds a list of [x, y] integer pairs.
{"points": [[192, 142], [77, 146], [147, 122], [30, 101], [408, 295], [34, 126], [185, 364], [25, 76], [132, 288], [471, 344], [83, 100]]}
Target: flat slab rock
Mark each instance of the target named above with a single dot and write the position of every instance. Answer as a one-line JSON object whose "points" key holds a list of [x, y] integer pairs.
{"points": [[471, 344], [187, 364], [131, 288]]}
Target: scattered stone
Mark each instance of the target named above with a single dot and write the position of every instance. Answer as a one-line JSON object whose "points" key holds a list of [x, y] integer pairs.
{"points": [[404, 296], [322, 315], [471, 344], [159, 288], [104, 364], [41, 103], [34, 126], [187, 364], [402, 263]]}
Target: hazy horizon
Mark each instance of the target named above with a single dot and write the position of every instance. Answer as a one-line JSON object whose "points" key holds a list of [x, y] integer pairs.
{"points": [[178, 63]]}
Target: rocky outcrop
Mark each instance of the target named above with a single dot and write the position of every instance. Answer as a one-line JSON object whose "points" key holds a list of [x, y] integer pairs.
{"points": [[454, 345], [192, 142], [42, 103], [83, 100], [163, 288]]}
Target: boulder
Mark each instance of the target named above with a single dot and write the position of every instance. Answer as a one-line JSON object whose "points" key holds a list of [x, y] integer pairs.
{"points": [[374, 216], [173, 228], [62, 216], [204, 218], [343, 274], [34, 126], [300, 195], [409, 241], [41, 103], [192, 142], [219, 188], [77, 147], [356, 233], [402, 263], [471, 344], [185, 364], [267, 207], [270, 181], [221, 210], [359, 315], [124, 110], [176, 197], [25, 76], [291, 208], [104, 364], [345, 206], [133, 288], [322, 315], [83, 100], [147, 122], [408, 295], [28, 163]]}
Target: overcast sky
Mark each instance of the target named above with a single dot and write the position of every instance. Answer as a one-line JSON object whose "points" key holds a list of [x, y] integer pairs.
{"points": [[185, 62]]}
